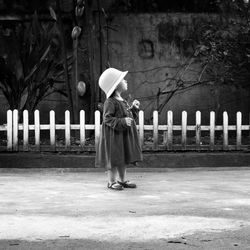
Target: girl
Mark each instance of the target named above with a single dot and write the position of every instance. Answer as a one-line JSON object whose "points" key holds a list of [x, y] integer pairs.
{"points": [[119, 143]]}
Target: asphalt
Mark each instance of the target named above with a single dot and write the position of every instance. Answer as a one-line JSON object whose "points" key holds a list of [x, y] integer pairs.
{"points": [[190, 208]]}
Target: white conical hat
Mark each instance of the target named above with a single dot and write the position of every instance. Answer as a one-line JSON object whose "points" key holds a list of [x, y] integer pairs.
{"points": [[109, 80]]}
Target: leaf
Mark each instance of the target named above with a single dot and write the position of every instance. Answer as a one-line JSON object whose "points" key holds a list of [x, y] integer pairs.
{"points": [[19, 70], [52, 13], [24, 99], [55, 41], [36, 27], [109, 27], [63, 93], [199, 49], [37, 65]]}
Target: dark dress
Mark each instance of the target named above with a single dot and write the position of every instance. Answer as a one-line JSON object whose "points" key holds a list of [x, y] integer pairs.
{"points": [[119, 143]]}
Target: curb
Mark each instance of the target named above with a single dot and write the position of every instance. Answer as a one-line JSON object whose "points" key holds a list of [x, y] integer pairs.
{"points": [[151, 160]]}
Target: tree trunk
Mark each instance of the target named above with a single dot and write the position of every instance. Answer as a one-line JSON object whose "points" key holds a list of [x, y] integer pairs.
{"points": [[64, 53], [91, 42]]}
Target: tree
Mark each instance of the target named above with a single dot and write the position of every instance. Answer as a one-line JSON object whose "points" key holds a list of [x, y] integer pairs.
{"points": [[31, 72], [141, 6], [223, 50]]}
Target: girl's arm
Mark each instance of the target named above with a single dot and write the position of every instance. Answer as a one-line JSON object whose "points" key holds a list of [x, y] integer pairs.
{"points": [[135, 112], [109, 117], [135, 108]]}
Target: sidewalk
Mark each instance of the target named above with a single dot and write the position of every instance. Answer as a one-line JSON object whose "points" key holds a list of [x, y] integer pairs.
{"points": [[188, 209]]}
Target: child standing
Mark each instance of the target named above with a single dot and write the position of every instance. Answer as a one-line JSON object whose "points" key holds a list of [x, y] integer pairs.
{"points": [[119, 142]]}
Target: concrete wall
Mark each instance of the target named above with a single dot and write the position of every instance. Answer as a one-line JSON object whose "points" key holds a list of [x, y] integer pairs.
{"points": [[152, 47]]}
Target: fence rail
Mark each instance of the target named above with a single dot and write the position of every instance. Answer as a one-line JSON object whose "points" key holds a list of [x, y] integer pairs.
{"points": [[162, 137]]}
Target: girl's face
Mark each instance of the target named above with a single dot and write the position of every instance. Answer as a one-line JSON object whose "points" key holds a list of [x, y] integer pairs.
{"points": [[122, 86]]}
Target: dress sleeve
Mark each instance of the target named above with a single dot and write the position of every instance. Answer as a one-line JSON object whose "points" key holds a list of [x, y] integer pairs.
{"points": [[110, 119]]}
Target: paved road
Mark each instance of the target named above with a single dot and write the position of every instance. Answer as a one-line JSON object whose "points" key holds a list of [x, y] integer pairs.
{"points": [[170, 209]]}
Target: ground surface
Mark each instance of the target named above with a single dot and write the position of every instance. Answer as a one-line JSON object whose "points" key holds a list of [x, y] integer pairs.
{"points": [[170, 209]]}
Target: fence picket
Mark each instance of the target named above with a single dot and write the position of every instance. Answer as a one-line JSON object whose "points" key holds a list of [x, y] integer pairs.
{"points": [[67, 130], [12, 128], [225, 130], [212, 129], [15, 130], [184, 129], [82, 128], [238, 130], [170, 130], [97, 128], [155, 129], [52, 130], [25, 130], [198, 130], [9, 130], [249, 125], [141, 127], [37, 129]]}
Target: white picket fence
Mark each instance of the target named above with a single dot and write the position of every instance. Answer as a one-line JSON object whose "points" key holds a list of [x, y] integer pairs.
{"points": [[13, 129]]}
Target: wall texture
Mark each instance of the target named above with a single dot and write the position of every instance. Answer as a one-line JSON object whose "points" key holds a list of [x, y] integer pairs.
{"points": [[156, 50]]}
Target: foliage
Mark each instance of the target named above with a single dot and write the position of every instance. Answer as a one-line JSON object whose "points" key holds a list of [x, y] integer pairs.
{"points": [[140, 6], [221, 46], [29, 74], [225, 48], [23, 6]]}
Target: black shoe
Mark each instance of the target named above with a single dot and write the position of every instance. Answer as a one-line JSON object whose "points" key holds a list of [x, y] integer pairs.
{"points": [[115, 186], [127, 184]]}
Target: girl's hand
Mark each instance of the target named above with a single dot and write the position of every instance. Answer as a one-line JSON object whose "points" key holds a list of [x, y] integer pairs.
{"points": [[128, 121], [136, 104]]}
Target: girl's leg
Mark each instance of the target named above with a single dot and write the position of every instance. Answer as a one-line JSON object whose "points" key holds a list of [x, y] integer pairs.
{"points": [[112, 173], [122, 173], [112, 182], [123, 181]]}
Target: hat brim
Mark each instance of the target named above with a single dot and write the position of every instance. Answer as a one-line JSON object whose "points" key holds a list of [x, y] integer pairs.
{"points": [[110, 92]]}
